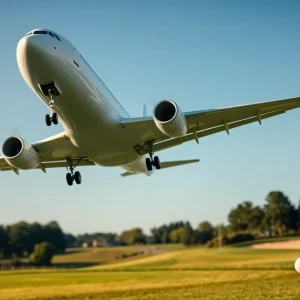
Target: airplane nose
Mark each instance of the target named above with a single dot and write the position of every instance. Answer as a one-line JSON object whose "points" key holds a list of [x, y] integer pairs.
{"points": [[30, 46], [30, 53]]}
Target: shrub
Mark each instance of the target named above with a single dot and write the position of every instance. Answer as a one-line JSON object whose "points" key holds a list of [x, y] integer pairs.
{"points": [[42, 254], [231, 239]]}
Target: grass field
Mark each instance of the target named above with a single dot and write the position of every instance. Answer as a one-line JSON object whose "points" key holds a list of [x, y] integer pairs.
{"points": [[191, 274]]}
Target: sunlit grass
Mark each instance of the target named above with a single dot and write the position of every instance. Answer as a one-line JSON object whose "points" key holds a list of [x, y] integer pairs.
{"points": [[203, 258], [181, 275]]}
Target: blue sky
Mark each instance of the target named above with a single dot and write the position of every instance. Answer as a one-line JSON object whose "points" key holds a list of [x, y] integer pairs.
{"points": [[201, 54]]}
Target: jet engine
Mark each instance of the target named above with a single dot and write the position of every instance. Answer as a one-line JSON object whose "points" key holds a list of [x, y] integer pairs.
{"points": [[20, 154], [169, 119]]}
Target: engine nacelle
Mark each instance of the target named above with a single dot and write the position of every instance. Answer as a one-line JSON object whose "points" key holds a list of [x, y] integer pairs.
{"points": [[20, 154], [169, 119]]}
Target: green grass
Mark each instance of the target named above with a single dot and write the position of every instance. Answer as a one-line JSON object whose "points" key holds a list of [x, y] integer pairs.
{"points": [[109, 255], [191, 274], [210, 259]]}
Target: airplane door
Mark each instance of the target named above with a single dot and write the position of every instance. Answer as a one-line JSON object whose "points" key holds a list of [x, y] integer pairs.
{"points": [[75, 57]]}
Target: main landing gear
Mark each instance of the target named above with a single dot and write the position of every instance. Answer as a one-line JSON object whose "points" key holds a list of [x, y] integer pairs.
{"points": [[152, 161], [71, 176], [53, 118]]}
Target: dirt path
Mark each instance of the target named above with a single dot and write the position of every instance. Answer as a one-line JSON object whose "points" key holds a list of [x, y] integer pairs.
{"points": [[293, 244]]}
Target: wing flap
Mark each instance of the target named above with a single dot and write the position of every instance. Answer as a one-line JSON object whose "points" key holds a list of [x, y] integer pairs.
{"points": [[215, 117], [63, 164], [143, 130], [167, 164], [192, 136]]}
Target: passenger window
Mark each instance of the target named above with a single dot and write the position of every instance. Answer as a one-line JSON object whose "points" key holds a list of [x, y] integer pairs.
{"points": [[51, 34], [56, 36]]}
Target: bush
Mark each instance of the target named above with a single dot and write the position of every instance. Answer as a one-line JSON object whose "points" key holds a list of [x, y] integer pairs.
{"points": [[15, 262], [240, 237], [231, 239], [42, 254], [10, 263]]}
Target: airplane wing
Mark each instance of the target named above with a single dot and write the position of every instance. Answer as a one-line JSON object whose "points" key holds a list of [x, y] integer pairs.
{"points": [[53, 152], [167, 164], [205, 122]]}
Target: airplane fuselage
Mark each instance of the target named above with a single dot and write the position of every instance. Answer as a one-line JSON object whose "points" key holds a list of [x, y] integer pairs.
{"points": [[88, 111]]}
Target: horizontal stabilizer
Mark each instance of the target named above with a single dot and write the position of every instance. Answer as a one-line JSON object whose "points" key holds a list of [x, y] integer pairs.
{"points": [[167, 164]]}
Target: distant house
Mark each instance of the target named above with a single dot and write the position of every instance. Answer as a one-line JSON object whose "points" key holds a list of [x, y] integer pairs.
{"points": [[100, 242], [84, 245], [87, 244]]}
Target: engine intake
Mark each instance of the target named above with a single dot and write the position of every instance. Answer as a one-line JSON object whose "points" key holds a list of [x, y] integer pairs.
{"points": [[20, 154], [169, 119]]}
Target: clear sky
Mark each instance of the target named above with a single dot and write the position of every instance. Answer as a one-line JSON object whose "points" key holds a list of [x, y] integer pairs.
{"points": [[201, 54]]}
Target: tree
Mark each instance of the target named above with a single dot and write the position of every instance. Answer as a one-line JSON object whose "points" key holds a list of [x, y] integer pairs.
{"points": [[205, 226], [4, 239], [19, 238], [54, 235], [36, 235], [278, 209], [187, 237], [133, 236], [204, 232], [42, 254], [246, 217], [70, 240], [176, 235], [161, 235]]}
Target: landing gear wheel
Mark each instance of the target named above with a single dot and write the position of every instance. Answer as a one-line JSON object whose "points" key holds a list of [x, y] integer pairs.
{"points": [[54, 118], [48, 120], [149, 164], [156, 162], [69, 178], [77, 177]]}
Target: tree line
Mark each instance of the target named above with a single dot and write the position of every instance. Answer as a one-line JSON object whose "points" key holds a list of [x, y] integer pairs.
{"points": [[278, 216]]}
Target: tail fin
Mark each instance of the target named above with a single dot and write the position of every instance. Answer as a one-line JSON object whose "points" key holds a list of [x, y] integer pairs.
{"points": [[144, 110], [167, 164]]}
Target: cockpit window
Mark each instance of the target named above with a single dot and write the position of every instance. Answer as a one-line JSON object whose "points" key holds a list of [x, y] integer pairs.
{"points": [[29, 33], [56, 36], [40, 32], [50, 33]]}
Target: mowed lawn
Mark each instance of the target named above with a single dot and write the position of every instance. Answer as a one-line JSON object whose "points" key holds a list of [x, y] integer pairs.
{"points": [[184, 274]]}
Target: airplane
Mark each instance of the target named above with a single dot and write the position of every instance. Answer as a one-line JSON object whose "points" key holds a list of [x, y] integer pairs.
{"points": [[97, 128]]}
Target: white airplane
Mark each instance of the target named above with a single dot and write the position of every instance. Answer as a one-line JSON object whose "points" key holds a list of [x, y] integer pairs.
{"points": [[98, 130]]}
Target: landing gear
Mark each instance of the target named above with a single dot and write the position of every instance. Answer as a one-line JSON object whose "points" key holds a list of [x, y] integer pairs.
{"points": [[156, 162], [149, 164], [152, 162], [71, 176], [77, 177], [53, 118]]}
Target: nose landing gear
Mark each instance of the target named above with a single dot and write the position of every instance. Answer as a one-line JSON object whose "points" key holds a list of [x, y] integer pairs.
{"points": [[53, 118], [51, 90]]}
